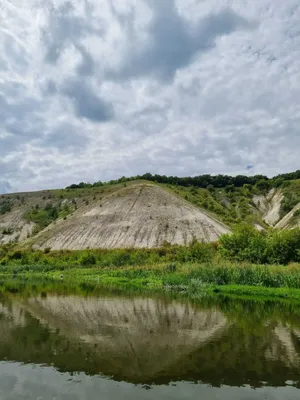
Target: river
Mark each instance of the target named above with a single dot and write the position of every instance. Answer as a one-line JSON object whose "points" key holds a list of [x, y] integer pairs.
{"points": [[116, 346]]}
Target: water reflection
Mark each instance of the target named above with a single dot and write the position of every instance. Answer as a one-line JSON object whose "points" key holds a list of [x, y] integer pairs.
{"points": [[155, 340]]}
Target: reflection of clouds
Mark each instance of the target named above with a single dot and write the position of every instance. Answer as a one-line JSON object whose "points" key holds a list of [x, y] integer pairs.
{"points": [[27, 382]]}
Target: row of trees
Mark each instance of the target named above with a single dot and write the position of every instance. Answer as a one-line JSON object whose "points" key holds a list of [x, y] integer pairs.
{"points": [[202, 181]]}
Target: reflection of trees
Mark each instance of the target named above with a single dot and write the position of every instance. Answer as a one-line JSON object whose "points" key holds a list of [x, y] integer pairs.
{"points": [[155, 340]]}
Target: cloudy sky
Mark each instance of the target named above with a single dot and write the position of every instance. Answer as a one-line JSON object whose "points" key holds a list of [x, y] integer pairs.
{"points": [[96, 89]]}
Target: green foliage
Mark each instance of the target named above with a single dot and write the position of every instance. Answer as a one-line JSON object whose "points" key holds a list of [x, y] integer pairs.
{"points": [[284, 247], [263, 185], [296, 213], [289, 202], [88, 259], [278, 182], [244, 244], [7, 231], [196, 252], [248, 244], [229, 188], [291, 197], [43, 217], [5, 206], [202, 181]]}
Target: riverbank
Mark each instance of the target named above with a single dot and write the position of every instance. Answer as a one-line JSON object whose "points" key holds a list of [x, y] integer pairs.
{"points": [[195, 280]]}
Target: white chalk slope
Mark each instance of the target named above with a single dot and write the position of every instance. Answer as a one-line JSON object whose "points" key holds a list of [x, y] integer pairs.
{"points": [[140, 216]]}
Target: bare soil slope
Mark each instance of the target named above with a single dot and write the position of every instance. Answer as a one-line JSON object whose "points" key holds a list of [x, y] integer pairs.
{"points": [[140, 216], [269, 206], [289, 221], [13, 227]]}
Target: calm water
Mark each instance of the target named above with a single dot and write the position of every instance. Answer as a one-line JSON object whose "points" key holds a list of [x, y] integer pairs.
{"points": [[118, 347]]}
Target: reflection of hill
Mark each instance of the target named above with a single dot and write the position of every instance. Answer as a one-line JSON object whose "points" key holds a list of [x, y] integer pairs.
{"points": [[148, 340], [289, 340], [137, 337]]}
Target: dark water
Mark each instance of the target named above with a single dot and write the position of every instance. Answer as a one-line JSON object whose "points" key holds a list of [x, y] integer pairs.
{"points": [[118, 347]]}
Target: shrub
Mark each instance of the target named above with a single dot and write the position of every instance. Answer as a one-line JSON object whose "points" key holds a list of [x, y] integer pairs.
{"points": [[171, 267], [263, 185], [88, 259], [296, 213], [284, 247], [5, 206], [244, 244], [247, 244], [7, 231]]}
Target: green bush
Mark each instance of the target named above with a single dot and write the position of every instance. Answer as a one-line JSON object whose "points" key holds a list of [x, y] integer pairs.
{"points": [[88, 259], [5, 206], [248, 244], [244, 244], [296, 213], [284, 247]]}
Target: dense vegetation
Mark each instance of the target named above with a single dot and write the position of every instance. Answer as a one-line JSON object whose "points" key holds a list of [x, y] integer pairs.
{"points": [[291, 197], [48, 260], [243, 263], [272, 247], [42, 217], [204, 181], [5, 206], [245, 244]]}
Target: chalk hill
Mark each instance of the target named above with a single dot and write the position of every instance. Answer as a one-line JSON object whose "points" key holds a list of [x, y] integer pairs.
{"points": [[140, 216]]}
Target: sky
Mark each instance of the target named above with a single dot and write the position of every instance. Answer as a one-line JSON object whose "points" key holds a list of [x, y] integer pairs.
{"points": [[96, 89]]}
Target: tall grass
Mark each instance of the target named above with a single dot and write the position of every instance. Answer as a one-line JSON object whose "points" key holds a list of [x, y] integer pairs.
{"points": [[187, 274], [20, 260]]}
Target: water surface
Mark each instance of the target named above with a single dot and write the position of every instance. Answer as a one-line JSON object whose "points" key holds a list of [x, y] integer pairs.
{"points": [[124, 347]]}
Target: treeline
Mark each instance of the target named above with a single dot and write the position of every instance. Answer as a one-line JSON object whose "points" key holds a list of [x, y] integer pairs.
{"points": [[202, 181]]}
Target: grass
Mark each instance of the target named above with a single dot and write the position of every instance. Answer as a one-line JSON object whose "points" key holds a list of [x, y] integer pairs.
{"points": [[195, 269], [18, 259], [194, 280]]}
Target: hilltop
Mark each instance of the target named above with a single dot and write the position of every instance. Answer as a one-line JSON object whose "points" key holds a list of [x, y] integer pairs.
{"points": [[139, 212]]}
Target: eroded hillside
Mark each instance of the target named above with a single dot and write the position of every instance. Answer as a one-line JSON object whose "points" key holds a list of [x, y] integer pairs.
{"points": [[141, 214]]}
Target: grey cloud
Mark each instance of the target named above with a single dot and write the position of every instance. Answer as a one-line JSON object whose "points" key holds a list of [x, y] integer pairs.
{"points": [[149, 120], [173, 43], [49, 87], [5, 187], [19, 118], [229, 109], [87, 104], [87, 65], [66, 28], [24, 123], [65, 137], [16, 106]]}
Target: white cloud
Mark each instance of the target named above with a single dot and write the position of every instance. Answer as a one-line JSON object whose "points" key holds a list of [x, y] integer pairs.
{"points": [[93, 91]]}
